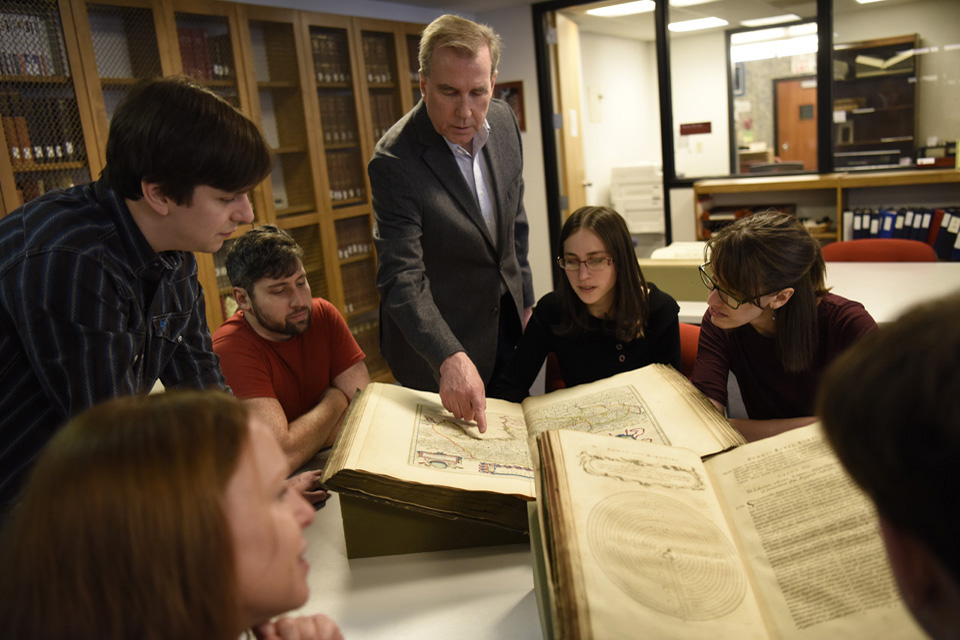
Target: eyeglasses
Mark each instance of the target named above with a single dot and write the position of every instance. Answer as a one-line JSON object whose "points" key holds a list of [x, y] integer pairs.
{"points": [[593, 264], [725, 296]]}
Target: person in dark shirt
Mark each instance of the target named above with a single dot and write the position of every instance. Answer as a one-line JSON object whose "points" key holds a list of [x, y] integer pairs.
{"points": [[888, 410], [98, 289], [771, 321], [604, 319]]}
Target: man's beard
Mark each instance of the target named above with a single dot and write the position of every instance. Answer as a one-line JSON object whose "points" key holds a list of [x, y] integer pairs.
{"points": [[286, 328]]}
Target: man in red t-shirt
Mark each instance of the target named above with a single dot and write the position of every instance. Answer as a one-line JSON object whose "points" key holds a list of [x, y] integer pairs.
{"points": [[289, 356]]}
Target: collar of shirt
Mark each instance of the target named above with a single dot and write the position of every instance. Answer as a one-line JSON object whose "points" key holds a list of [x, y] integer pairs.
{"points": [[145, 262], [479, 140]]}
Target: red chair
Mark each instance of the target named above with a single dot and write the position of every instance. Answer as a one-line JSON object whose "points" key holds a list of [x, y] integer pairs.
{"points": [[689, 341], [879, 250], [553, 378]]}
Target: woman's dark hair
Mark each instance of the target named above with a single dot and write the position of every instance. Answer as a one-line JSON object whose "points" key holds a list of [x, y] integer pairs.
{"points": [[121, 532], [631, 306], [178, 134], [764, 253], [263, 252]]}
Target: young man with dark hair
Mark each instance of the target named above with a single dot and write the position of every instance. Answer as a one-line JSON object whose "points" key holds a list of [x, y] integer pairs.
{"points": [[98, 289], [290, 356], [887, 408]]}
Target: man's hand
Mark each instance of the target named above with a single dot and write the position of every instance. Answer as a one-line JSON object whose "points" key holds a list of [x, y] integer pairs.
{"points": [[461, 390], [308, 485], [315, 627]]}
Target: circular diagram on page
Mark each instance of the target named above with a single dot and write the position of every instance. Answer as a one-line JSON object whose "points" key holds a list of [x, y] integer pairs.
{"points": [[666, 555]]}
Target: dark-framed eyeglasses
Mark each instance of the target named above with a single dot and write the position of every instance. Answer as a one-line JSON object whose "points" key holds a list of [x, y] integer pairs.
{"points": [[593, 264], [725, 296]]}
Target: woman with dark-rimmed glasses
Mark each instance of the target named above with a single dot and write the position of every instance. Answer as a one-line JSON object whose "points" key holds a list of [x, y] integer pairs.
{"points": [[604, 318], [771, 321]]}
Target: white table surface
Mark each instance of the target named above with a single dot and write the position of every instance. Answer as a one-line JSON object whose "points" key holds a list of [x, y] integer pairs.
{"points": [[886, 289], [470, 594]]}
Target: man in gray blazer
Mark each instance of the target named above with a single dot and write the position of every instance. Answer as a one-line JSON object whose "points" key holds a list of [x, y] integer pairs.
{"points": [[451, 231]]}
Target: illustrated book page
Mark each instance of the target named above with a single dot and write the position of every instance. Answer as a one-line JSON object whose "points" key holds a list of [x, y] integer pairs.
{"points": [[401, 445], [636, 539]]}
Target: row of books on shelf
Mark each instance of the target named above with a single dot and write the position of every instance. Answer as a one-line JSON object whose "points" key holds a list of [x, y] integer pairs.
{"points": [[331, 56], [353, 237], [338, 116], [33, 185], [39, 130], [937, 227], [359, 286], [25, 46], [377, 59], [346, 177], [385, 109], [413, 57], [205, 57]]}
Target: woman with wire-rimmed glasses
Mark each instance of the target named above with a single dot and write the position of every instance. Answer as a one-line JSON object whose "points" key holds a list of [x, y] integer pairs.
{"points": [[604, 318], [771, 321]]}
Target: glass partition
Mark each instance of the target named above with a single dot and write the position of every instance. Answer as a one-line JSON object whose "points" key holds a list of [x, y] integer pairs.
{"points": [[896, 85]]}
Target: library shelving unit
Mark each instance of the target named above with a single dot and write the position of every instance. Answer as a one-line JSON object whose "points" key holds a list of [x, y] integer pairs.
{"points": [[827, 193], [120, 44], [874, 101], [48, 127], [412, 34]]}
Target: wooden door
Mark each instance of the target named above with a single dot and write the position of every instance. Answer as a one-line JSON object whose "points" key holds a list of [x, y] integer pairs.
{"points": [[796, 124], [568, 92]]}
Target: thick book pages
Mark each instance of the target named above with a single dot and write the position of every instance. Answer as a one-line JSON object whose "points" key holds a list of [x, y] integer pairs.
{"points": [[400, 446], [769, 540]]}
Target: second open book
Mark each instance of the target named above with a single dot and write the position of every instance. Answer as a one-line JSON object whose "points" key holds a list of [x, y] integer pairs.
{"points": [[769, 540], [400, 446]]}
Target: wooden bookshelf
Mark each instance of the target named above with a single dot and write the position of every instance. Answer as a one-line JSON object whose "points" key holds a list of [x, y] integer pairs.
{"points": [[48, 135], [834, 189]]}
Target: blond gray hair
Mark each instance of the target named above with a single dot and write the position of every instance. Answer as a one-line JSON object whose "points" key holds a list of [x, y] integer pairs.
{"points": [[463, 36]]}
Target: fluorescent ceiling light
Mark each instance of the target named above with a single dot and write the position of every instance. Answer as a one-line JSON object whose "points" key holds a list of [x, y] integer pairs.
{"points": [[758, 36], [773, 49], [688, 3], [626, 9], [695, 25], [762, 22], [805, 29]]}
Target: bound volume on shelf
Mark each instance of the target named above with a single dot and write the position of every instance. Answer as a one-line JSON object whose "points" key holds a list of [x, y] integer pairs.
{"points": [[769, 540], [400, 447]]}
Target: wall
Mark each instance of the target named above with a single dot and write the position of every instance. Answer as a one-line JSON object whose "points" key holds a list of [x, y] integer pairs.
{"points": [[699, 77], [624, 74]]}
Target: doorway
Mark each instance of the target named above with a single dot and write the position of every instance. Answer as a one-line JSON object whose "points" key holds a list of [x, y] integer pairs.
{"points": [[795, 130]]}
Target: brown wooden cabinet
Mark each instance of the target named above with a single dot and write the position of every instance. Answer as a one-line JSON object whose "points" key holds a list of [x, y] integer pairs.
{"points": [[323, 88], [48, 133]]}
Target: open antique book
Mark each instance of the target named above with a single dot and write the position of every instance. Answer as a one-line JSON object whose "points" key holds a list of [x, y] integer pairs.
{"points": [[769, 540], [399, 446]]}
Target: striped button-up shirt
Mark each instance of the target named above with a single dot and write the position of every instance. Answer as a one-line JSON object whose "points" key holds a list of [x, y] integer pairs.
{"points": [[88, 311]]}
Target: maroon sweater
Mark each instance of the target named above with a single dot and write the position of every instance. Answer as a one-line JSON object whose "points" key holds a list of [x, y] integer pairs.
{"points": [[768, 391]]}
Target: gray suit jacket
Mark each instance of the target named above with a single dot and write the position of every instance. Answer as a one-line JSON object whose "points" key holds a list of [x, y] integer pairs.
{"points": [[439, 272]]}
